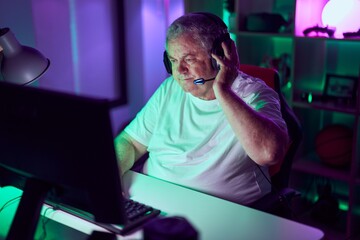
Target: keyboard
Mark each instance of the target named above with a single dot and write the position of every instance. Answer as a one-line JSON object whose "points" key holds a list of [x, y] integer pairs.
{"points": [[137, 215]]}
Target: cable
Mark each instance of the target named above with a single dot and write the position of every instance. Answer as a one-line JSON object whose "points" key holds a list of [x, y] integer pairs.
{"points": [[282, 197], [268, 180], [11, 201], [45, 221]]}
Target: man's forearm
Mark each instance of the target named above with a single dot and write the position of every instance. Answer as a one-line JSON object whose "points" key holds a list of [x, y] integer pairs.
{"points": [[125, 153], [128, 151], [262, 139]]}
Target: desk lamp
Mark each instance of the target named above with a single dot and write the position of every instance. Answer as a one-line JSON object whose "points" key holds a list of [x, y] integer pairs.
{"points": [[20, 64]]}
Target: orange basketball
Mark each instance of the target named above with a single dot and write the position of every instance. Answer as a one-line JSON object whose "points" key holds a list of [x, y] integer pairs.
{"points": [[334, 145]]}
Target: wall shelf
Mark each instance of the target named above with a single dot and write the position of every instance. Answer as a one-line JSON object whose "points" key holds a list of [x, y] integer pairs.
{"points": [[317, 168], [326, 106], [311, 59]]}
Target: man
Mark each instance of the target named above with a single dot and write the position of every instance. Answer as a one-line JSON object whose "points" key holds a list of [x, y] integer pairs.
{"points": [[217, 137]]}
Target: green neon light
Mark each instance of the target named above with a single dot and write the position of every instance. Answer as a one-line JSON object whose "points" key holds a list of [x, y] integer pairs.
{"points": [[310, 98], [9, 201], [226, 15], [289, 85], [343, 205]]}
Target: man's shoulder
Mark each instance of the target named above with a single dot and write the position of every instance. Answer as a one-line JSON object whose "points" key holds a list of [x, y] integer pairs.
{"points": [[245, 84], [169, 83], [169, 88]]}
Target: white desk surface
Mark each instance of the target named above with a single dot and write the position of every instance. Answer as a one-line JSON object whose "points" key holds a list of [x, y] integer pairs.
{"points": [[214, 218]]}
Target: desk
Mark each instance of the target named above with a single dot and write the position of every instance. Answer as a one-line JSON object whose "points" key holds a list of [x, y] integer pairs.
{"points": [[214, 218]]}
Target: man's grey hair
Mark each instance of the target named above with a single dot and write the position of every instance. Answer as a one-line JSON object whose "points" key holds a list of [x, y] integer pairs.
{"points": [[204, 28]]}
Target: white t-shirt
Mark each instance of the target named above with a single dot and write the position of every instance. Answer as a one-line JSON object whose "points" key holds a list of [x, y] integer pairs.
{"points": [[191, 143]]}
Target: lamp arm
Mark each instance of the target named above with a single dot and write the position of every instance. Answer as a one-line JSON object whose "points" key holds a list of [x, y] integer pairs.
{"points": [[9, 44]]}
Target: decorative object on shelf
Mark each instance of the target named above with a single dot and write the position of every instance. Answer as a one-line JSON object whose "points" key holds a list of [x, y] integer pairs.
{"points": [[342, 14], [334, 145], [340, 89], [265, 22], [352, 34], [317, 29], [281, 64]]}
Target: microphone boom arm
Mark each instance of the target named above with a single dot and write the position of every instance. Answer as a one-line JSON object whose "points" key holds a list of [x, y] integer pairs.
{"points": [[201, 81]]}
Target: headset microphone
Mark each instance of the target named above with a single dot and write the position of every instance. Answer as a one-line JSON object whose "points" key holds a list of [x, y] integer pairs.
{"points": [[201, 81]]}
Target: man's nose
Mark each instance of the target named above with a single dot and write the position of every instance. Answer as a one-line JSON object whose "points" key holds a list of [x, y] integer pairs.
{"points": [[182, 68]]}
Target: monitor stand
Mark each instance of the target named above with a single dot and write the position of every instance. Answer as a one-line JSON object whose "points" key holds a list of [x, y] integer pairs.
{"points": [[28, 212]]}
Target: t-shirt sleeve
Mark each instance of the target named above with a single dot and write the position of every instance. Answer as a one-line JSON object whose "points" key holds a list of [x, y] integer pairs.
{"points": [[142, 126], [262, 98]]}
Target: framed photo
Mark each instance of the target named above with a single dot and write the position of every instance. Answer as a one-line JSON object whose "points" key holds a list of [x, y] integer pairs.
{"points": [[340, 87]]}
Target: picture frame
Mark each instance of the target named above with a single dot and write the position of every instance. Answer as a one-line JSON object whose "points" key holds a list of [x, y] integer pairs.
{"points": [[340, 87]]}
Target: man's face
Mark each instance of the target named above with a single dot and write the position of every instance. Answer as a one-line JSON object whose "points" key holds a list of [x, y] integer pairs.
{"points": [[191, 61]]}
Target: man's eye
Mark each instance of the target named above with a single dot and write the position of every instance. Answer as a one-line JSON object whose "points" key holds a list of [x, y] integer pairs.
{"points": [[190, 60], [172, 60]]}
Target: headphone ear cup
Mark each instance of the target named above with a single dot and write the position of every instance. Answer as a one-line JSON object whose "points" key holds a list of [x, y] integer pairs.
{"points": [[167, 63], [218, 50], [214, 64]]}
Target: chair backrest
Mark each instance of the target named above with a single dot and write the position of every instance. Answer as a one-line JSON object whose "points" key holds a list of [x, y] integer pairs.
{"points": [[279, 173]]}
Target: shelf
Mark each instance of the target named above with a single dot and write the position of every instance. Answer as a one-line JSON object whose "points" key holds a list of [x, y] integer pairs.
{"points": [[263, 34], [326, 106], [319, 169], [311, 59], [320, 38], [310, 163]]}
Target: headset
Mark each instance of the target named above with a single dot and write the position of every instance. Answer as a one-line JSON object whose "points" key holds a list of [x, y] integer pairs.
{"points": [[216, 48]]}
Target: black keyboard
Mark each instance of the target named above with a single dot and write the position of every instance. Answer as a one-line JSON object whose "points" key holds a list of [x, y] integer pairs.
{"points": [[137, 215]]}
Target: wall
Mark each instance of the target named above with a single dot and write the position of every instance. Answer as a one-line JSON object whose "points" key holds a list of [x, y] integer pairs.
{"points": [[79, 37], [21, 26], [146, 23], [213, 6]]}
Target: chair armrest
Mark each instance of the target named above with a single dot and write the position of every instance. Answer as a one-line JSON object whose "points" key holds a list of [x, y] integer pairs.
{"points": [[288, 194]]}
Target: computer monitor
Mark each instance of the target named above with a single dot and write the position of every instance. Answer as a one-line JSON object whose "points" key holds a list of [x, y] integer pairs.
{"points": [[61, 146]]}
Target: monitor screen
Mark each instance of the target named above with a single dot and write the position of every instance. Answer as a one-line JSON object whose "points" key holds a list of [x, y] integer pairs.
{"points": [[59, 147]]}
